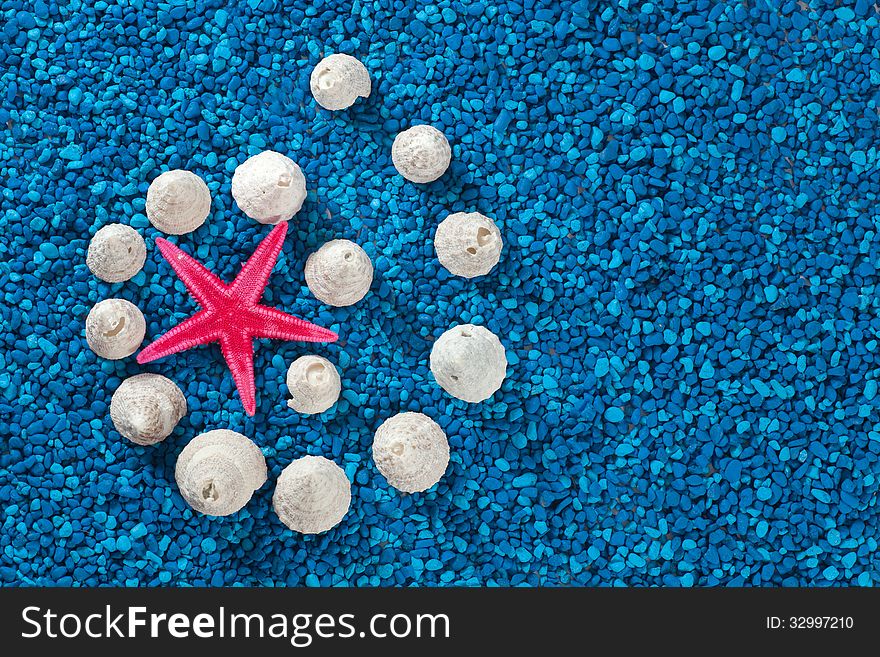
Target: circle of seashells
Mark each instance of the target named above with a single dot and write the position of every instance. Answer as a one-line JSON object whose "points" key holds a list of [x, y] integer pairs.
{"points": [[218, 471]]}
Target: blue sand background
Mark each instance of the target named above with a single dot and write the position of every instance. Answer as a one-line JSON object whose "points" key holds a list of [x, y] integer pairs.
{"points": [[688, 194]]}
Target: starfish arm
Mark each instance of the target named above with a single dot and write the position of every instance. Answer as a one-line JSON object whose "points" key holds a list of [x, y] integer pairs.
{"points": [[278, 325], [192, 332], [238, 350], [251, 280], [204, 286]]}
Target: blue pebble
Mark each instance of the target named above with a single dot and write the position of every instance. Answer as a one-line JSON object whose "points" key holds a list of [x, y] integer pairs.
{"points": [[646, 62], [716, 53]]}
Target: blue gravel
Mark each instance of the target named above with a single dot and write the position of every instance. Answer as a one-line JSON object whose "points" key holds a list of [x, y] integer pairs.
{"points": [[688, 194]]}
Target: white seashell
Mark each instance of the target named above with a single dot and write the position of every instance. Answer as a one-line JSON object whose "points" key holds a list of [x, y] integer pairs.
{"points": [[411, 451], [178, 202], [421, 154], [116, 253], [313, 383], [468, 244], [469, 362], [146, 407], [218, 472], [115, 328], [269, 187], [339, 80], [312, 495], [339, 273]]}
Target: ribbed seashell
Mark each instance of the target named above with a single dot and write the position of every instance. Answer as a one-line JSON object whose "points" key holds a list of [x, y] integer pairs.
{"points": [[339, 80], [469, 362], [314, 384], [421, 154], [115, 328], [411, 451], [218, 472], [339, 273], [116, 253], [178, 202], [468, 244], [146, 407], [312, 495], [269, 187]]}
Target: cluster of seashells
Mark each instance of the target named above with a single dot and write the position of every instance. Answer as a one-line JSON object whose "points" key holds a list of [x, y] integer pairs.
{"points": [[115, 327], [409, 449], [467, 244], [218, 471], [467, 361]]}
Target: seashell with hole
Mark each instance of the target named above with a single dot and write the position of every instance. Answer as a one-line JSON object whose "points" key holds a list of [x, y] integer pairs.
{"points": [[269, 187], [411, 451], [421, 154], [339, 273], [468, 244], [218, 472], [339, 80], [116, 253], [312, 495], [115, 328], [178, 202], [469, 362], [146, 407], [314, 384]]}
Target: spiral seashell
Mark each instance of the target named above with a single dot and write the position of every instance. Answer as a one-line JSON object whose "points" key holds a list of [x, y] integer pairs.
{"points": [[313, 383], [421, 154], [218, 472], [469, 362], [411, 451], [339, 273], [339, 80], [146, 407], [115, 328], [312, 495], [468, 244], [269, 187], [178, 202], [116, 253]]}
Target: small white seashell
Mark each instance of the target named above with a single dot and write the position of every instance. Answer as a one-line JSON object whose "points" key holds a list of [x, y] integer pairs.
{"points": [[411, 451], [468, 244], [312, 495], [313, 383], [339, 80], [469, 362], [421, 154], [178, 202], [339, 273], [115, 328], [269, 187], [218, 472], [116, 253], [146, 407]]}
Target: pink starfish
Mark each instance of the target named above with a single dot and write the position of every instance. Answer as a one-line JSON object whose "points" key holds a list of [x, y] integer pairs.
{"points": [[231, 313]]}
